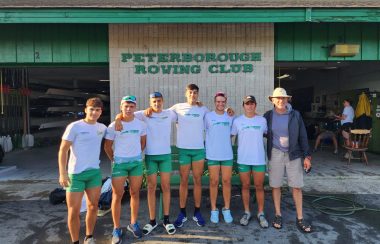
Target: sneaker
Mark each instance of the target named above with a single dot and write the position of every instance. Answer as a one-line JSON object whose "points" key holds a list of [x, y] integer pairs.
{"points": [[116, 236], [180, 220], [245, 219], [227, 215], [89, 240], [336, 151], [214, 218], [262, 220], [135, 229], [199, 219]]}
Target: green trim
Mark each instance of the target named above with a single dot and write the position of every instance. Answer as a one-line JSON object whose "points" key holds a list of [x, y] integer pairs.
{"points": [[312, 41], [189, 15], [26, 65]]}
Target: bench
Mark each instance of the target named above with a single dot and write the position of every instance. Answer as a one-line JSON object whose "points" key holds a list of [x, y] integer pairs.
{"points": [[175, 177]]}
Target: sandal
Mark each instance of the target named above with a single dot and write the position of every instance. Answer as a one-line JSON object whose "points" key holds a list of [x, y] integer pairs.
{"points": [[262, 220], [277, 222], [303, 226], [170, 228], [149, 228]]}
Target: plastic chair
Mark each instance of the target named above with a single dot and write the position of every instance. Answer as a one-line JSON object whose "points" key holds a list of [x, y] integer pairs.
{"points": [[358, 142]]}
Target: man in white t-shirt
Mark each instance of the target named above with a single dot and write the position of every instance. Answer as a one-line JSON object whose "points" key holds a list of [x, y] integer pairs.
{"points": [[346, 119], [250, 129], [190, 143], [83, 139], [157, 157], [219, 155], [127, 162]]}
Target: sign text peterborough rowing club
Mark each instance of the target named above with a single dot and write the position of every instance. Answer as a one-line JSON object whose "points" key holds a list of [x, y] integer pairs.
{"points": [[188, 63]]}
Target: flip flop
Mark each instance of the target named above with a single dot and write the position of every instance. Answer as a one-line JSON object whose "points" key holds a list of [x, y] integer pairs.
{"points": [[170, 229], [149, 228]]}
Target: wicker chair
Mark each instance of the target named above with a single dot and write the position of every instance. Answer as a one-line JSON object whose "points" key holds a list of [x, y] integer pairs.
{"points": [[358, 142]]}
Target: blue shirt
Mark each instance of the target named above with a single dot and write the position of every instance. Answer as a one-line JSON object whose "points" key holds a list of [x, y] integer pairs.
{"points": [[280, 131]]}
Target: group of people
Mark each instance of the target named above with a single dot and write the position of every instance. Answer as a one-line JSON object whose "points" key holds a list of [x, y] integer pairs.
{"points": [[133, 131]]}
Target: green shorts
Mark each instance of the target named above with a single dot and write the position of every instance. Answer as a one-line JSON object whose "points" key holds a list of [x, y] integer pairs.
{"points": [[155, 163], [134, 168], [243, 168], [87, 179], [187, 156], [220, 162]]}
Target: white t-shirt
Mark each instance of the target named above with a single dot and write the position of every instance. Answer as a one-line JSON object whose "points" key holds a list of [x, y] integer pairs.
{"points": [[127, 143], [190, 126], [250, 133], [218, 136], [350, 114], [86, 141], [158, 131]]}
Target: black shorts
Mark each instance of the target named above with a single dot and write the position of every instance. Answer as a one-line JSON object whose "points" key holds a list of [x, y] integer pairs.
{"points": [[347, 127]]}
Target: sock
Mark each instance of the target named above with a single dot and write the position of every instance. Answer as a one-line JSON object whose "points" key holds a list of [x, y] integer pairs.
{"points": [[88, 237], [152, 222], [196, 210], [166, 220], [76, 242], [183, 211]]}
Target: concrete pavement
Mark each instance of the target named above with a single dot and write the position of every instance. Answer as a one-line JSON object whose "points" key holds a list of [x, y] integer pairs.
{"points": [[26, 216]]}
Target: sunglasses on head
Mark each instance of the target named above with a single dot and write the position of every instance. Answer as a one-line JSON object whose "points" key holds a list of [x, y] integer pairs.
{"points": [[129, 98]]}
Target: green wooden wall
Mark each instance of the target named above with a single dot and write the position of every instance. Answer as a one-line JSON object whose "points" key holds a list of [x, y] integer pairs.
{"points": [[311, 41], [53, 43]]}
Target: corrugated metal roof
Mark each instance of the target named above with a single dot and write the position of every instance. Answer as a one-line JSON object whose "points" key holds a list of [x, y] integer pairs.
{"points": [[189, 3]]}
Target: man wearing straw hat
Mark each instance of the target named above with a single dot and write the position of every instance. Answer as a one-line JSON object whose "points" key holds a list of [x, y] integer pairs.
{"points": [[287, 145]]}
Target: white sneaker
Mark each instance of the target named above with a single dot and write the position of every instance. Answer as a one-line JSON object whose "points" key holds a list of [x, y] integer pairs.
{"points": [[89, 240]]}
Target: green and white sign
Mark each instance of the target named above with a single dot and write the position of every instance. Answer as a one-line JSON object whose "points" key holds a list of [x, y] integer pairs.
{"points": [[189, 63]]}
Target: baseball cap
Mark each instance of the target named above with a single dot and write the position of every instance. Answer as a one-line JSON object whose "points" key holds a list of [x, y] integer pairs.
{"points": [[131, 99], [155, 94], [249, 98]]}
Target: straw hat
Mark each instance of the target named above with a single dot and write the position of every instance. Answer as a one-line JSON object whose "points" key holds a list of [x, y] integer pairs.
{"points": [[279, 92]]}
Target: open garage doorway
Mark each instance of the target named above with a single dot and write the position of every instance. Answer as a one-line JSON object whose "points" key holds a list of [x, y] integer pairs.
{"points": [[42, 101], [319, 88]]}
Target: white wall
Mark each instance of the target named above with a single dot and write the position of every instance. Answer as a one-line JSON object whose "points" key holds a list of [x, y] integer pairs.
{"points": [[191, 38]]}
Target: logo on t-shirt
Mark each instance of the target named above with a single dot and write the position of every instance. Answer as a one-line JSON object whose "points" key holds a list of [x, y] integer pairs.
{"points": [[254, 127], [130, 132], [193, 115], [100, 133], [221, 123]]}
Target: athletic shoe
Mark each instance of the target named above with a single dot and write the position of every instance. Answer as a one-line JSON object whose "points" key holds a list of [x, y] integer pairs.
{"points": [[89, 240], [336, 151], [199, 219], [117, 233], [180, 220], [262, 220], [214, 218], [227, 215], [245, 219], [135, 229]]}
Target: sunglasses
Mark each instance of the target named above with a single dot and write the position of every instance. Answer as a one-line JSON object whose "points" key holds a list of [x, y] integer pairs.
{"points": [[129, 98], [155, 94]]}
